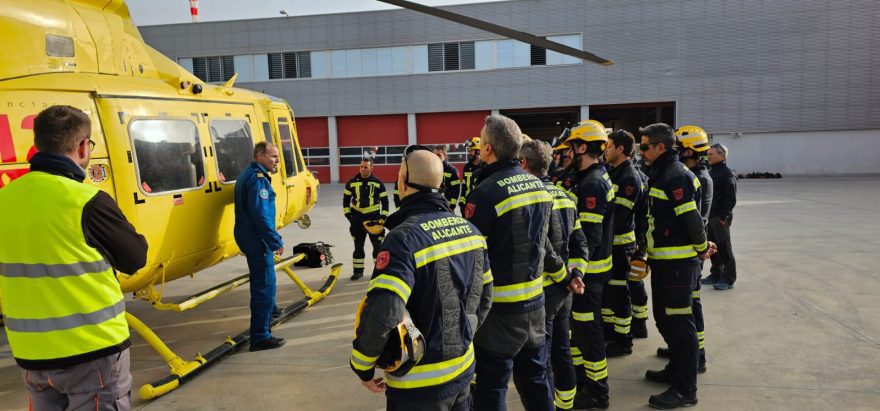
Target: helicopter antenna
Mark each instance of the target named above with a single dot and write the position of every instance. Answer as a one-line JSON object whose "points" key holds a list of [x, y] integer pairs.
{"points": [[501, 30]]}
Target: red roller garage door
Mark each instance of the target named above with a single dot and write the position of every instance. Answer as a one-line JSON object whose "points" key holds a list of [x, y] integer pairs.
{"points": [[382, 135]]}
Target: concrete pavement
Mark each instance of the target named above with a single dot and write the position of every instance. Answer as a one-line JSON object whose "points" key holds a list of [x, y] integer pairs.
{"points": [[801, 330]]}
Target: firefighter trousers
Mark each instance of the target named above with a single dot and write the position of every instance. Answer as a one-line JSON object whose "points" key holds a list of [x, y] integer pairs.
{"points": [[616, 297], [672, 286], [359, 235], [723, 262], [588, 336], [557, 305]]}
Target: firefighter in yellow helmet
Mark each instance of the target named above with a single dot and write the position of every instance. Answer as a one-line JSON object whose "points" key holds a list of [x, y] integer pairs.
{"points": [[61, 241], [693, 147], [433, 267], [471, 169], [595, 205]]}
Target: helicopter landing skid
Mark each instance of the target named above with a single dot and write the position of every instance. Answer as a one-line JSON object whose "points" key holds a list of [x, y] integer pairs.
{"points": [[182, 371]]}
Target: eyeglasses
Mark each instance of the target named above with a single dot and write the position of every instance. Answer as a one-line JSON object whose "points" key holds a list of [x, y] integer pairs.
{"points": [[91, 144], [645, 147], [409, 150]]}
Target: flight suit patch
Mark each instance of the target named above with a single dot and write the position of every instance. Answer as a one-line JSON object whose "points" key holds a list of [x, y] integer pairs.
{"points": [[264, 194]]}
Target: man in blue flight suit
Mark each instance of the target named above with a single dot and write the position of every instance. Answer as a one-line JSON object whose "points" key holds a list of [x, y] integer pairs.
{"points": [[676, 245], [569, 243], [364, 198], [257, 238], [434, 266], [512, 209]]}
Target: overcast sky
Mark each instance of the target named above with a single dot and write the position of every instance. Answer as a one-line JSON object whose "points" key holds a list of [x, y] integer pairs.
{"points": [[152, 12]]}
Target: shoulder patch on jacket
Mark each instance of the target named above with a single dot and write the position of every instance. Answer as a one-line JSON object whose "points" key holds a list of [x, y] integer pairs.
{"points": [[469, 210], [264, 194], [629, 190], [678, 193], [382, 260], [591, 202]]}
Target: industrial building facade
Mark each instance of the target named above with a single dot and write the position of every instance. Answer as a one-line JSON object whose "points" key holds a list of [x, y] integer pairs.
{"points": [[791, 86]]}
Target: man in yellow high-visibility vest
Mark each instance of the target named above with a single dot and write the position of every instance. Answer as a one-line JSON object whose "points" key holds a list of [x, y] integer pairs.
{"points": [[63, 307]]}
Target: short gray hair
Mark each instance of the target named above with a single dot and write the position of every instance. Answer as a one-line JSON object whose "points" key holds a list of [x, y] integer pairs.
{"points": [[721, 148], [538, 154], [504, 135]]}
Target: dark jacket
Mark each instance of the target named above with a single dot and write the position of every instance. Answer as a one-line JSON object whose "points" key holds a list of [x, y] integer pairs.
{"points": [[676, 231], [435, 266], [629, 192], [724, 195], [451, 184], [704, 192], [595, 202], [469, 177], [365, 196], [511, 208], [566, 236]]}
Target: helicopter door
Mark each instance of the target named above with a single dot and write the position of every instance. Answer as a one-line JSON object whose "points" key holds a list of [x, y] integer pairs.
{"points": [[292, 169]]}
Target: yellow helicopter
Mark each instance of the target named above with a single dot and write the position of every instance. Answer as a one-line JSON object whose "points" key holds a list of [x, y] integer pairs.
{"points": [[168, 146]]}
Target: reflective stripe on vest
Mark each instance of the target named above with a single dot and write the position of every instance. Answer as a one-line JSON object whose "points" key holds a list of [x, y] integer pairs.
{"points": [[429, 375], [514, 293], [624, 239], [598, 267], [79, 308]]}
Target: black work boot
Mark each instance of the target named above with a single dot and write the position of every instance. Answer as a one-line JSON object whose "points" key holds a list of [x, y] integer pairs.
{"points": [[616, 349], [670, 399], [710, 279], [269, 344], [639, 328], [658, 376], [584, 401], [357, 275], [663, 352]]}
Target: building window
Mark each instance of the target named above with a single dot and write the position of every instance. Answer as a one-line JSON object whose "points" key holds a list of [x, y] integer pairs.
{"points": [[215, 69], [233, 145], [317, 156], [539, 56], [290, 65], [451, 56], [390, 155], [168, 155]]}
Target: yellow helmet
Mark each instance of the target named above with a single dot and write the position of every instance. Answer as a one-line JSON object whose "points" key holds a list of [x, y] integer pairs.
{"points": [[375, 227], [403, 349], [693, 137], [588, 132], [472, 143], [560, 143]]}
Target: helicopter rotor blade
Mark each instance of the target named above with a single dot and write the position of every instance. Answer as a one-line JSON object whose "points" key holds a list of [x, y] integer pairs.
{"points": [[501, 30]]}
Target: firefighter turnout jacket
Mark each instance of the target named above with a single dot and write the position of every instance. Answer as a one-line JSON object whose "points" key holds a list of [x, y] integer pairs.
{"points": [[435, 266], [470, 174], [627, 184], [565, 236], [704, 191], [595, 197], [451, 184], [675, 227], [365, 196]]}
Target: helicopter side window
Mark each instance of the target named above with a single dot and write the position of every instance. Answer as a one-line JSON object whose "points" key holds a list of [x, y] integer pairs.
{"points": [[167, 154], [234, 147], [288, 148]]}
